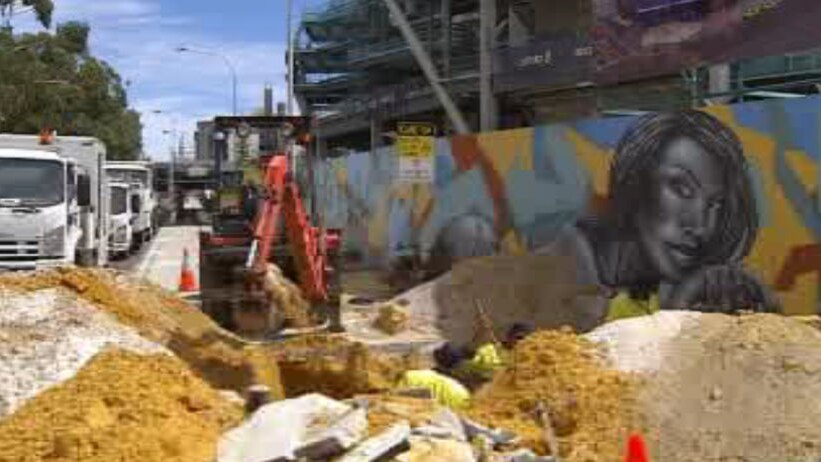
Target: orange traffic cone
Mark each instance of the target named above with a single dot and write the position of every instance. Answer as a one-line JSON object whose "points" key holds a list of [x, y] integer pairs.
{"points": [[636, 449], [188, 282]]}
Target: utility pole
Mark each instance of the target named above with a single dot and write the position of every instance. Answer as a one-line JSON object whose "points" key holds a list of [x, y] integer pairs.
{"points": [[290, 58]]}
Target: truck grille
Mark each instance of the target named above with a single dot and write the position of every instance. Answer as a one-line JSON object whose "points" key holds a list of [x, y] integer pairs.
{"points": [[19, 250]]}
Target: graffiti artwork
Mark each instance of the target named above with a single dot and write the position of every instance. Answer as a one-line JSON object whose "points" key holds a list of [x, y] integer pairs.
{"points": [[710, 210], [679, 217]]}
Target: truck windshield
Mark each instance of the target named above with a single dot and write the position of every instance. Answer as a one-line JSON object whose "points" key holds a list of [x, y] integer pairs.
{"points": [[33, 182], [128, 176], [119, 201]]}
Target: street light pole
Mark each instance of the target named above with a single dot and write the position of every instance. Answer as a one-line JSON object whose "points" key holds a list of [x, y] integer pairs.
{"points": [[228, 63], [290, 58]]}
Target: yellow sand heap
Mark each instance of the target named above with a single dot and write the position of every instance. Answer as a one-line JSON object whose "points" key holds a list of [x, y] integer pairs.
{"points": [[591, 407], [120, 407]]}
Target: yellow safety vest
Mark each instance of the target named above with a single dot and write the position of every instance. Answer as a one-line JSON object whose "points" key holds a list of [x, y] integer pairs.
{"points": [[445, 390], [622, 307]]}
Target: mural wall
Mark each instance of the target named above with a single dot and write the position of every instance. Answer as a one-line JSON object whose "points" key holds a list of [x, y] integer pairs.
{"points": [[721, 204]]}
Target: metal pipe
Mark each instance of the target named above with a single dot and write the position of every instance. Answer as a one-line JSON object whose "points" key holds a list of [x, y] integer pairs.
{"points": [[455, 115]]}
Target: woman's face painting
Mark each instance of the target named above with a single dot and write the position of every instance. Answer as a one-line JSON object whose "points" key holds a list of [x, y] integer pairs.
{"points": [[682, 215]]}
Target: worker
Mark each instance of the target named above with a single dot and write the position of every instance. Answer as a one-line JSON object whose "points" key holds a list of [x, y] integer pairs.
{"points": [[249, 201], [491, 357], [624, 306], [445, 390]]}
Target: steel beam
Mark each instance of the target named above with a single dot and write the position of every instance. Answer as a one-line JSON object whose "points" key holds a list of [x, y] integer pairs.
{"points": [[445, 19], [424, 61], [487, 40]]}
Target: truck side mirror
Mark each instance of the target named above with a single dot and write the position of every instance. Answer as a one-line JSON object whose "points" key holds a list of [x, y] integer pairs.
{"points": [[83, 190]]}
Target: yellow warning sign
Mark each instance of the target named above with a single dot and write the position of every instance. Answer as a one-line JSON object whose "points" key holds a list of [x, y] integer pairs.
{"points": [[415, 146]]}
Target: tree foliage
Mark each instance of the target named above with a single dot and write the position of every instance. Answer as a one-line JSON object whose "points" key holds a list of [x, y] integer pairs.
{"points": [[42, 9], [52, 81]]}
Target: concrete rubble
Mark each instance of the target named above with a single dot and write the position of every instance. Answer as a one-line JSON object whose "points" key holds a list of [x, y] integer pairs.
{"points": [[390, 442], [312, 426]]}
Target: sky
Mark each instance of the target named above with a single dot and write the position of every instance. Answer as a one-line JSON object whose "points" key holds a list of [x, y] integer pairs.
{"points": [[139, 37]]}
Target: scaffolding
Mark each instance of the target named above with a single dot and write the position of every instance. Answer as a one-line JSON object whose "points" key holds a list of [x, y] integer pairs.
{"points": [[351, 49]]}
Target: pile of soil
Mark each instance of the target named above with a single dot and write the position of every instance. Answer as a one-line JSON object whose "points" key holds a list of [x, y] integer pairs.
{"points": [[121, 406], [591, 406], [46, 336], [742, 388], [538, 288], [392, 319], [221, 358]]}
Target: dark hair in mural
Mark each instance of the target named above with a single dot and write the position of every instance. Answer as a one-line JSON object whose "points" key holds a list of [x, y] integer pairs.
{"points": [[644, 237], [637, 158]]}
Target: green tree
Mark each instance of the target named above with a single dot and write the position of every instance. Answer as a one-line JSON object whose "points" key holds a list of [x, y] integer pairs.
{"points": [[43, 10], [52, 81]]}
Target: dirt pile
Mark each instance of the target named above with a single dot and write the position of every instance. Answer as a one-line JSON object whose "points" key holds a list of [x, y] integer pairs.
{"points": [[541, 289], [742, 388], [120, 406], [218, 356], [591, 406], [392, 319], [46, 336]]}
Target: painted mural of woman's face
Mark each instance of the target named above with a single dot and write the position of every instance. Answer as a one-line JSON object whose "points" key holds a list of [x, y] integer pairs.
{"points": [[682, 215]]}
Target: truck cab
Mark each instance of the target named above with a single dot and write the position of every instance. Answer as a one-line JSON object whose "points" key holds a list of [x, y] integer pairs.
{"points": [[42, 195], [138, 175], [121, 219]]}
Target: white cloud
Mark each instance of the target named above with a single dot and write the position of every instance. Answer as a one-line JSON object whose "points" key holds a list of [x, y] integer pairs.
{"points": [[139, 40]]}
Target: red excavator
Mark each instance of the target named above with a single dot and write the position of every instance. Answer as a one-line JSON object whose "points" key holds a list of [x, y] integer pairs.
{"points": [[259, 219]]}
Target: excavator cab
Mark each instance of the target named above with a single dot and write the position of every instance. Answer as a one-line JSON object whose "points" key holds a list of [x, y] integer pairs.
{"points": [[262, 221]]}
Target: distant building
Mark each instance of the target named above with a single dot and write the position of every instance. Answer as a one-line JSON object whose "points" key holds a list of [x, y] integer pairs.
{"points": [[237, 147]]}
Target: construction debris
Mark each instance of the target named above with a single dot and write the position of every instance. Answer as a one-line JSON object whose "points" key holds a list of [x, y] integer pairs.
{"points": [[391, 442], [312, 426], [95, 366], [120, 406]]}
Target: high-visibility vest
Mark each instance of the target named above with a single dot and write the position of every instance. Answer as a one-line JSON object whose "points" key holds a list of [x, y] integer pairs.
{"points": [[623, 306], [445, 390]]}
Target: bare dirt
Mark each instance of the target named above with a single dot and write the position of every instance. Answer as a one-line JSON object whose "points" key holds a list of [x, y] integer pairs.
{"points": [[737, 389], [335, 367], [540, 289], [392, 319], [590, 405], [121, 406]]}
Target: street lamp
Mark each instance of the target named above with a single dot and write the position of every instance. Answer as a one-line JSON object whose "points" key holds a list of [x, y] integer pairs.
{"points": [[227, 62]]}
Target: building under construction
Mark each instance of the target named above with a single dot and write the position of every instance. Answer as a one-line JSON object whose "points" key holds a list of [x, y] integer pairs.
{"points": [[503, 63]]}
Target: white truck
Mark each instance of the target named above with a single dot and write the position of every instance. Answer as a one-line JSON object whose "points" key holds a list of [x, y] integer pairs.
{"points": [[121, 220], [53, 201], [138, 175]]}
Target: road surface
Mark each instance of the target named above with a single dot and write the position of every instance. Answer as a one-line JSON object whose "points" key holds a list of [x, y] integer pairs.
{"points": [[160, 261]]}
